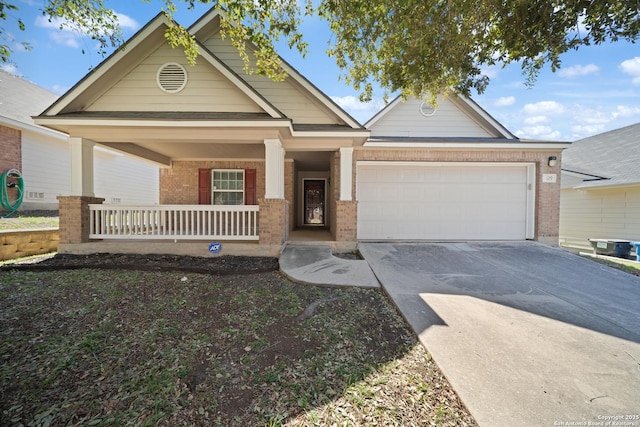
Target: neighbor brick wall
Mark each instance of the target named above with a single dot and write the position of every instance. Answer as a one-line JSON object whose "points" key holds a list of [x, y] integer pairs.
{"points": [[10, 149], [547, 214]]}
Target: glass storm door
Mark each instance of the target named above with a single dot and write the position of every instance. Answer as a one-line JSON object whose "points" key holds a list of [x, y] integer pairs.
{"points": [[314, 201]]}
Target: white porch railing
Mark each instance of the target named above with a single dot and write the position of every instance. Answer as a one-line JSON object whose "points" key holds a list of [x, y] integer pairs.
{"points": [[184, 222]]}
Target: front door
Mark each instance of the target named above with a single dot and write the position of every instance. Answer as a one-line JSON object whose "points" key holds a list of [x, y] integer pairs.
{"points": [[314, 190]]}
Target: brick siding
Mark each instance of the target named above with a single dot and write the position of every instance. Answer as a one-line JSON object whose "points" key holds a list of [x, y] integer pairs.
{"points": [[74, 218]]}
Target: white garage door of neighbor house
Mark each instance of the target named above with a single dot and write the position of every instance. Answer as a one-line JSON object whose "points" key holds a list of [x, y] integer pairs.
{"points": [[445, 201]]}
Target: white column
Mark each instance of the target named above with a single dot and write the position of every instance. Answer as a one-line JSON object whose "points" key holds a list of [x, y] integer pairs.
{"points": [[81, 151], [274, 169], [346, 173]]}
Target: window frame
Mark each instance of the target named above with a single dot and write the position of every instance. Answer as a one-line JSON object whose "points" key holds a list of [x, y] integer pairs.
{"points": [[215, 190]]}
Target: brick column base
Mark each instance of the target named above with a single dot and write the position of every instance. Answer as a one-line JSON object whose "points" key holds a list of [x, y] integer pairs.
{"points": [[74, 218], [273, 221], [346, 221]]}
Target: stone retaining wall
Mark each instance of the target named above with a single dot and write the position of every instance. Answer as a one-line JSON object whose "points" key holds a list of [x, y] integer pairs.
{"points": [[22, 243]]}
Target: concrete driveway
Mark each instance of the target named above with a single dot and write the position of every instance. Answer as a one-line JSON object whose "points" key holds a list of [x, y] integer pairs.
{"points": [[526, 334]]}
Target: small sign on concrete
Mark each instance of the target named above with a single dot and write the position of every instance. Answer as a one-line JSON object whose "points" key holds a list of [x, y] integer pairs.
{"points": [[215, 247]]}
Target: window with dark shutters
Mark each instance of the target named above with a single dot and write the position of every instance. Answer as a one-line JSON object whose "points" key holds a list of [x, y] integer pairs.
{"points": [[204, 187]]}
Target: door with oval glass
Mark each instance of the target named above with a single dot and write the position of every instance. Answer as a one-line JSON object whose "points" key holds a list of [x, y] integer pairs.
{"points": [[314, 201]]}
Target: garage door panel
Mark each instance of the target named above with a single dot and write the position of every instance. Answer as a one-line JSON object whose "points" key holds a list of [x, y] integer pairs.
{"points": [[442, 202]]}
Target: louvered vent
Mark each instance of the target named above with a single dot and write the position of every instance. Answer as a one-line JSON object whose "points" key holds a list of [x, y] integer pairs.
{"points": [[172, 77]]}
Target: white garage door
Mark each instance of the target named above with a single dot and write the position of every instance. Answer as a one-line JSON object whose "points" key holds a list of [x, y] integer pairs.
{"points": [[445, 201]]}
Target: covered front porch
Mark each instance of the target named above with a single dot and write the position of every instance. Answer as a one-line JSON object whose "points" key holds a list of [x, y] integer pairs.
{"points": [[270, 208]]}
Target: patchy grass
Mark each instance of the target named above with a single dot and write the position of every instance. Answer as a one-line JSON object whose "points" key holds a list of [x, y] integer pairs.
{"points": [[29, 220], [628, 266], [114, 348]]}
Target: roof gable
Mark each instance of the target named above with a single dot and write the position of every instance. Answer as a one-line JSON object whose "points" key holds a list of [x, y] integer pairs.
{"points": [[296, 97], [613, 157], [128, 74], [206, 89], [455, 117]]}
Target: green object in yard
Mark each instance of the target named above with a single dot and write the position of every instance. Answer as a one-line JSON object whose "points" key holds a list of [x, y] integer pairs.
{"points": [[16, 182]]}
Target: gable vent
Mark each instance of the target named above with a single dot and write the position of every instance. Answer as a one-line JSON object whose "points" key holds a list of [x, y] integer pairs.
{"points": [[172, 77]]}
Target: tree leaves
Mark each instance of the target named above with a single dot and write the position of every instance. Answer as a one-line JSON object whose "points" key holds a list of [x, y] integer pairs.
{"points": [[414, 47]]}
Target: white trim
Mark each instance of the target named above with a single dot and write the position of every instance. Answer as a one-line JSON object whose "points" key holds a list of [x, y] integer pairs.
{"points": [[531, 181], [292, 72], [16, 124], [228, 190], [346, 173], [479, 111], [104, 67], [274, 169], [472, 106], [81, 167], [270, 123], [239, 83], [161, 72], [506, 145]]}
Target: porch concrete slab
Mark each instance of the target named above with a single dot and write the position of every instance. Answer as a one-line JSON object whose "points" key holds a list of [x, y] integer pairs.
{"points": [[527, 334], [318, 266]]}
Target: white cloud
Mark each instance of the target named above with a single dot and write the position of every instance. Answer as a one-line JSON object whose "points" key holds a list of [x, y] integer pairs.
{"points": [[534, 120], [504, 101], [66, 38], [578, 70], [490, 71], [59, 90], [624, 111], [538, 132], [581, 131], [10, 68], [72, 36], [127, 22], [361, 111], [632, 67], [44, 22], [544, 108]]}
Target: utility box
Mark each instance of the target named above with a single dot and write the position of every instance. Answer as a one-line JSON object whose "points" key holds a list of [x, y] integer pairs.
{"points": [[612, 247]]}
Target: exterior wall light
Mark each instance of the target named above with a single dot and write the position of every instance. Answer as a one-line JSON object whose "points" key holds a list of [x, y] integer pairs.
{"points": [[553, 160]]}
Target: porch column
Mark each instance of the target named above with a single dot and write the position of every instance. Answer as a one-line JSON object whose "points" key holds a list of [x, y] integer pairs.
{"points": [[346, 173], [81, 151], [274, 169]]}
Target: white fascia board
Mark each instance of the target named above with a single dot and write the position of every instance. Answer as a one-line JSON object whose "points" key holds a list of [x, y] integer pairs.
{"points": [[104, 67], [277, 123], [380, 114], [319, 95], [33, 128], [330, 133], [484, 115], [239, 83], [57, 121], [507, 145]]}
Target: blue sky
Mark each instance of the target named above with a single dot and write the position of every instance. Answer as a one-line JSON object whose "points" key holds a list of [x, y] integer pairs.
{"points": [[596, 90]]}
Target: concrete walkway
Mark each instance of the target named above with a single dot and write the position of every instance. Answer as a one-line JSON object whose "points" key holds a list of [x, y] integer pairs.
{"points": [[317, 265]]}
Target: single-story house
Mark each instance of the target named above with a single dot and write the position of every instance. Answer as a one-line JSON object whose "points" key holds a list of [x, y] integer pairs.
{"points": [[600, 196], [248, 161], [42, 156]]}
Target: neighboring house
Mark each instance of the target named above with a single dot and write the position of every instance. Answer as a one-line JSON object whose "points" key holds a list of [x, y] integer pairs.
{"points": [[245, 158], [42, 155], [600, 195]]}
